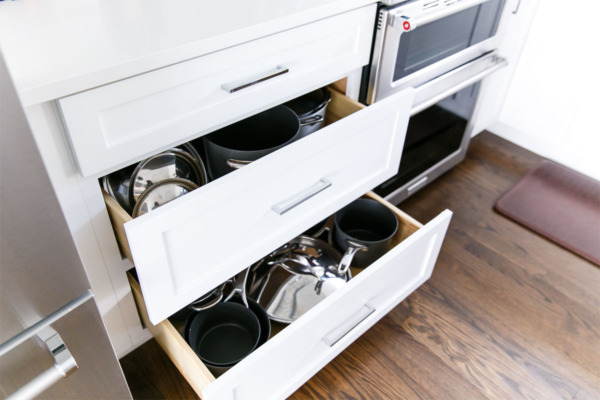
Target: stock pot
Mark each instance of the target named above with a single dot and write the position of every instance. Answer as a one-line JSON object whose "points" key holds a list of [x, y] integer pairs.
{"points": [[247, 140]]}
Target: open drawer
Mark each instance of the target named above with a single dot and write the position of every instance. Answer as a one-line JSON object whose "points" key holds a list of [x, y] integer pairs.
{"points": [[122, 122], [297, 352], [190, 245]]}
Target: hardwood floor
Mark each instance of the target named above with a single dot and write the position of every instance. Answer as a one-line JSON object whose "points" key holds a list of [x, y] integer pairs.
{"points": [[507, 314]]}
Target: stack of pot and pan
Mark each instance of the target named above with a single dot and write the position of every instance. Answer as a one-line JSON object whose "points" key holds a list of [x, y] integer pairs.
{"points": [[239, 144], [156, 180], [234, 319], [300, 274], [224, 326]]}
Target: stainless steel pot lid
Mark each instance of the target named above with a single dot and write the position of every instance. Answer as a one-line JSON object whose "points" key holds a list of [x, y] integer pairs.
{"points": [[296, 277], [117, 186], [161, 193], [170, 164]]}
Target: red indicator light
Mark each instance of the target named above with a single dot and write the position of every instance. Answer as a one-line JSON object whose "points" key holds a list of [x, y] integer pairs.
{"points": [[406, 25]]}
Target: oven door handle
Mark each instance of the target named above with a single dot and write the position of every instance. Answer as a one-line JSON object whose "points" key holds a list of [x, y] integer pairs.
{"points": [[400, 17], [497, 63]]}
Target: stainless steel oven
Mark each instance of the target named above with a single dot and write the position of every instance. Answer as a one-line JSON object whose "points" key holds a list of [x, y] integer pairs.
{"points": [[418, 40], [443, 49], [435, 142]]}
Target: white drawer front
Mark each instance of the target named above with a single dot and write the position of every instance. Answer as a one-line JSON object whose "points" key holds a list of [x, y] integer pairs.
{"points": [[289, 359], [192, 244], [117, 124]]}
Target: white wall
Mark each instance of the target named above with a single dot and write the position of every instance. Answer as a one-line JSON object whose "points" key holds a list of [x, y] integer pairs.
{"points": [[552, 105]]}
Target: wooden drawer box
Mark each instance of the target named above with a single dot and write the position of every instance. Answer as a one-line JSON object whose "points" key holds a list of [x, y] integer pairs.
{"points": [[297, 352], [125, 121], [192, 244]]}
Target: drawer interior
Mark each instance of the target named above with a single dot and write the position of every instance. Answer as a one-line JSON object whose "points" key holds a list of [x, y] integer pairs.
{"points": [[169, 333], [339, 107]]}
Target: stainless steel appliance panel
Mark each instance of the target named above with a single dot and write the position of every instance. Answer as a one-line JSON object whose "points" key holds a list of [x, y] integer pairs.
{"points": [[435, 142], [41, 272], [98, 374], [419, 40]]}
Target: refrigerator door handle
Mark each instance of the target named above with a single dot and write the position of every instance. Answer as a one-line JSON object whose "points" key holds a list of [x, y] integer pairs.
{"points": [[64, 365], [43, 323]]}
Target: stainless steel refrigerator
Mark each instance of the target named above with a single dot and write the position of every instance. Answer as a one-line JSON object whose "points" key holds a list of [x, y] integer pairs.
{"points": [[52, 340]]}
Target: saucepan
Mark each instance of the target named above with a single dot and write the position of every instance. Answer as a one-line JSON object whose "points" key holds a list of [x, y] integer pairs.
{"points": [[369, 223], [238, 144], [226, 326], [223, 334]]}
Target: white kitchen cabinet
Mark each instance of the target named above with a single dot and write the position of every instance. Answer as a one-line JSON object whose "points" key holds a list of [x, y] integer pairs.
{"points": [[103, 118], [296, 353], [513, 29], [184, 248], [125, 121], [556, 81]]}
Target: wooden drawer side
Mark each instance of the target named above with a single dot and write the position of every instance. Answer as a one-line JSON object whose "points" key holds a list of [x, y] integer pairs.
{"points": [[174, 345], [118, 217], [340, 107]]}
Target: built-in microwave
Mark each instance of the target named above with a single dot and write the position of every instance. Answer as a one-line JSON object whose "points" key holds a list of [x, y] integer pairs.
{"points": [[443, 49]]}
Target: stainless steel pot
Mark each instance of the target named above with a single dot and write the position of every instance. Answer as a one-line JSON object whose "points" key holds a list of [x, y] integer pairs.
{"points": [[297, 276]]}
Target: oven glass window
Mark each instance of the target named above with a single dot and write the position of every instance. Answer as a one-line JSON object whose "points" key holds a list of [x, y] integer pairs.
{"points": [[442, 38], [432, 135]]}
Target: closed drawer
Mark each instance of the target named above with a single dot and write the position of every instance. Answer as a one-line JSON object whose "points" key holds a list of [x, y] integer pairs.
{"points": [[297, 352], [119, 123], [190, 245]]}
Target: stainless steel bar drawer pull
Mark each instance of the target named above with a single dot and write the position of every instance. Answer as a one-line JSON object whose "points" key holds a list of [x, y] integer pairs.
{"points": [[417, 184], [286, 205], [338, 333], [237, 86], [64, 365]]}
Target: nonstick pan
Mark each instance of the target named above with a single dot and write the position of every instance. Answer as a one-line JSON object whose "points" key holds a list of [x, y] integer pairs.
{"points": [[223, 334], [245, 141]]}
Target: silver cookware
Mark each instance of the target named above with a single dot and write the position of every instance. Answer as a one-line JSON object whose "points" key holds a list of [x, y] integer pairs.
{"points": [[234, 287], [127, 185], [297, 276], [174, 163], [209, 299], [161, 193]]}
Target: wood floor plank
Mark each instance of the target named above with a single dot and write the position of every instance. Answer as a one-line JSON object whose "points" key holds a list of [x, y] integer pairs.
{"points": [[399, 368], [509, 238], [151, 375], [507, 314], [513, 325]]}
